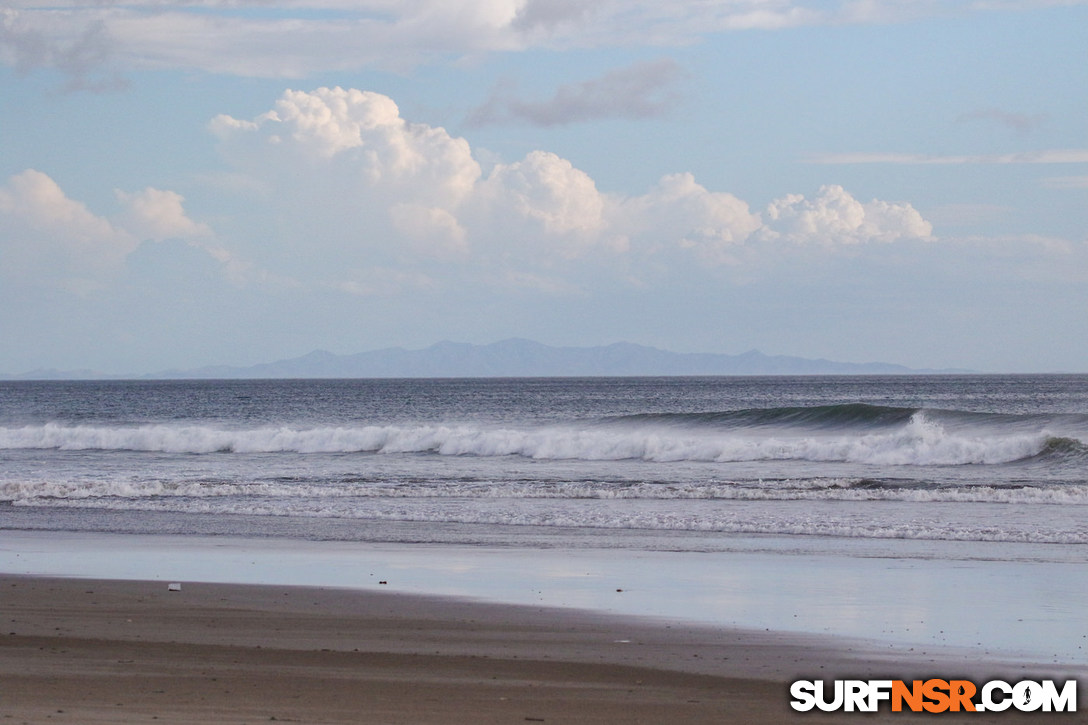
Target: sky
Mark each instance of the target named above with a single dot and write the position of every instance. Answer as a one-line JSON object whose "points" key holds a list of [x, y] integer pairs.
{"points": [[241, 181]]}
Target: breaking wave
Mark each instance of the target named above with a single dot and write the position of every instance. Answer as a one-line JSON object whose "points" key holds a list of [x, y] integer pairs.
{"points": [[844, 433]]}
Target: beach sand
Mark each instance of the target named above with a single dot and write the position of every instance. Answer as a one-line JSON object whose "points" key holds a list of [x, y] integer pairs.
{"points": [[104, 651]]}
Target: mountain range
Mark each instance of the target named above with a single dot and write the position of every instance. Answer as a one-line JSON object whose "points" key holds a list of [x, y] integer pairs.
{"points": [[516, 358]]}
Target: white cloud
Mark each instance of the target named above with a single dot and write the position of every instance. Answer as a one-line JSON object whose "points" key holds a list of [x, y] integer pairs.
{"points": [[253, 38], [296, 38], [354, 183], [680, 212], [363, 135], [834, 218], [548, 191], [330, 120], [348, 184], [436, 232], [157, 214], [540, 211], [363, 176], [42, 229], [47, 237]]}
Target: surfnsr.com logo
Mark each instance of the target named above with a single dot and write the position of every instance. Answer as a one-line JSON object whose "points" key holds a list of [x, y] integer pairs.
{"points": [[933, 695]]}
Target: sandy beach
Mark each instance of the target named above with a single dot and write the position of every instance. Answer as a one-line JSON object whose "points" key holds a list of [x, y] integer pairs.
{"points": [[104, 651]]}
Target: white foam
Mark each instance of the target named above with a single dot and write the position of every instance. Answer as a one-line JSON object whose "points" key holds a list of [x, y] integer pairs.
{"points": [[684, 517], [35, 493], [920, 442]]}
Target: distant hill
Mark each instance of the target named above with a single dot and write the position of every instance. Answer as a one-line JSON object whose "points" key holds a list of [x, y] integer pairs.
{"points": [[525, 358], [509, 358]]}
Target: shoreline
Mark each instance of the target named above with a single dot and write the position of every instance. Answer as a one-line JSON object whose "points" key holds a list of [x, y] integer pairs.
{"points": [[1022, 610], [96, 651]]}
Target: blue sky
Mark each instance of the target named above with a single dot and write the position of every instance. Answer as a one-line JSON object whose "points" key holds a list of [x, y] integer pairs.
{"points": [[197, 183]]}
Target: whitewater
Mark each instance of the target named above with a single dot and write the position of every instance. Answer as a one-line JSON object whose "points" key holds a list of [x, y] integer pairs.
{"points": [[926, 458]]}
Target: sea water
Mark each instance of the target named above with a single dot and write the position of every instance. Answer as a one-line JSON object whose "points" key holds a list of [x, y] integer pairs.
{"points": [[928, 474], [979, 458]]}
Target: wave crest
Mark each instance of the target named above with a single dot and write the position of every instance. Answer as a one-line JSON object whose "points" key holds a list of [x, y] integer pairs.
{"points": [[920, 441]]}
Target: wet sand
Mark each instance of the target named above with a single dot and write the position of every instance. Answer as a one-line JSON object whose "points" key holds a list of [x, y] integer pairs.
{"points": [[103, 651]]}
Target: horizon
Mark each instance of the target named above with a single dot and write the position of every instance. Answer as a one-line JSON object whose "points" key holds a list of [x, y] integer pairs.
{"points": [[199, 372], [186, 186]]}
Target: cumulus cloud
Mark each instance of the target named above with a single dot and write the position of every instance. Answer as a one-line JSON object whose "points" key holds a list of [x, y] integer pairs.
{"points": [[679, 212], [434, 231], [41, 228], [644, 90], [834, 218], [380, 177], [158, 214], [549, 191], [45, 234], [363, 186], [349, 184], [363, 136]]}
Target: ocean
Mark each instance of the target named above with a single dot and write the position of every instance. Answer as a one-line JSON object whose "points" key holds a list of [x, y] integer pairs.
{"points": [[668, 463], [916, 512]]}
